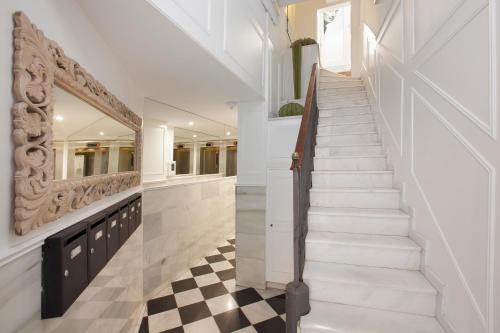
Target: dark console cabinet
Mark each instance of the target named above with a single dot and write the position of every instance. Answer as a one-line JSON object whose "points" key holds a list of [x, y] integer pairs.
{"points": [[64, 269]]}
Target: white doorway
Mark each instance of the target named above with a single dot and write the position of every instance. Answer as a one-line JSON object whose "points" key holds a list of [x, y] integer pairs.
{"points": [[334, 37]]}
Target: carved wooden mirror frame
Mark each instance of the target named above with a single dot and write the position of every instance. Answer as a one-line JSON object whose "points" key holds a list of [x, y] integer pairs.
{"points": [[39, 64]]}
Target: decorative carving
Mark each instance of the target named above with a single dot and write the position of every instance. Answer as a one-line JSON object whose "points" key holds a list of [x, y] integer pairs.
{"points": [[39, 63]]}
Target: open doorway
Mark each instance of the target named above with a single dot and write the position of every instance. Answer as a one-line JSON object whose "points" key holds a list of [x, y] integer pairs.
{"points": [[334, 37]]}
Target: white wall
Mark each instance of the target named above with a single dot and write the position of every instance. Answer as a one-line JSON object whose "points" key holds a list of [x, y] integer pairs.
{"points": [[158, 150], [62, 21], [233, 31], [431, 68]]}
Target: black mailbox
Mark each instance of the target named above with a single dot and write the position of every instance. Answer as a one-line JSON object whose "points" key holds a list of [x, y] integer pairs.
{"points": [[123, 221], [97, 244], [64, 268], [113, 237], [139, 210], [132, 209]]}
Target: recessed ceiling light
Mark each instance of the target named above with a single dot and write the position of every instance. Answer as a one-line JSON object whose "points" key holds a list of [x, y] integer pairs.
{"points": [[228, 133], [191, 123], [59, 118], [194, 135], [101, 133]]}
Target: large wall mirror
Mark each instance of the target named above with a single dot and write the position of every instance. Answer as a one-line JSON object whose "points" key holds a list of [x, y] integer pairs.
{"points": [[86, 141], [75, 142]]}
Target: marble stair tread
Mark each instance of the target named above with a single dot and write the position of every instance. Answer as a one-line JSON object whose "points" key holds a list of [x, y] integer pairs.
{"points": [[338, 318], [346, 119], [350, 162], [361, 122], [345, 134], [367, 149], [335, 97], [365, 212], [339, 91], [367, 108], [390, 222], [355, 197], [385, 278], [362, 240], [350, 156]]}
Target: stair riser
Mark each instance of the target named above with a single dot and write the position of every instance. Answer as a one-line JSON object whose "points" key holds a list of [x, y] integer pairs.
{"points": [[341, 199], [345, 119], [341, 91], [342, 97], [352, 180], [343, 164], [363, 256], [348, 139], [359, 224], [343, 103], [340, 84], [372, 297], [348, 150], [347, 129], [356, 111]]}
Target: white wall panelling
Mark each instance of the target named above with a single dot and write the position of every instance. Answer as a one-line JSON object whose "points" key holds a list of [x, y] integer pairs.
{"points": [[432, 72], [199, 11], [282, 133]]}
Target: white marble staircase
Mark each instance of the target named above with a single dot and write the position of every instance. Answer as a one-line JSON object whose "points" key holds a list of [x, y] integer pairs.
{"points": [[361, 267]]}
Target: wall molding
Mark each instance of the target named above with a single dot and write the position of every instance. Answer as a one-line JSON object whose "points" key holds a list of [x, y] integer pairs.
{"points": [[206, 28], [491, 213], [399, 144], [398, 6], [489, 129]]}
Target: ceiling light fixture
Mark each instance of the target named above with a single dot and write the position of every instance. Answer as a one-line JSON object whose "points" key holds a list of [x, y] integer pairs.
{"points": [[101, 133], [228, 133], [59, 118], [194, 135], [191, 123]]}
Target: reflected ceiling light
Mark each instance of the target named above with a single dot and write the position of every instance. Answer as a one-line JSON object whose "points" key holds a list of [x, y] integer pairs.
{"points": [[59, 118], [194, 135], [191, 123], [228, 133], [101, 133]]}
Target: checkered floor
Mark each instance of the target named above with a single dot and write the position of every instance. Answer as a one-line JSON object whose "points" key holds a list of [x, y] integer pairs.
{"points": [[206, 299]]}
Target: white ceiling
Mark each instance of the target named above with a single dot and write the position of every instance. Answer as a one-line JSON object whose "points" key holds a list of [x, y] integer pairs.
{"points": [[168, 66], [187, 124], [81, 121]]}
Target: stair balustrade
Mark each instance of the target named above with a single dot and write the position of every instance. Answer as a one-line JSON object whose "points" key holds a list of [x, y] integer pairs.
{"points": [[297, 298]]}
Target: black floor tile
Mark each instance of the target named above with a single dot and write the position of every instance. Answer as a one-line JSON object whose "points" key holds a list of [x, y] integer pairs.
{"points": [[144, 328], [174, 330], [277, 303], [231, 321], [161, 304], [232, 262], [194, 312], [273, 325], [232, 241], [226, 249], [246, 296], [201, 270], [215, 258], [183, 285], [228, 274], [213, 290]]}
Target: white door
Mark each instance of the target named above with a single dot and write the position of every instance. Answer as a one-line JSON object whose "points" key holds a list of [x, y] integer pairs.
{"points": [[334, 37]]}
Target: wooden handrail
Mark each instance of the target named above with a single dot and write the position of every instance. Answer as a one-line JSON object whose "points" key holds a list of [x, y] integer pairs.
{"points": [[306, 119]]}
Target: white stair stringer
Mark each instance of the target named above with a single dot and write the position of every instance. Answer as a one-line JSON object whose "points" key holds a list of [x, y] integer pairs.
{"points": [[362, 269]]}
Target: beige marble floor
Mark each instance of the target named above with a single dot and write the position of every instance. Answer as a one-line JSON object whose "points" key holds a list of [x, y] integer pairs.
{"points": [[111, 303]]}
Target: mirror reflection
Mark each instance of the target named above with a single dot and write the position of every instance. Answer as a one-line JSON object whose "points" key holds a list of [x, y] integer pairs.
{"points": [[86, 141], [199, 153]]}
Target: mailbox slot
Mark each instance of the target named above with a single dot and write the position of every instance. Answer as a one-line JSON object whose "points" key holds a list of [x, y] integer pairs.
{"points": [[132, 225], [123, 224], [64, 269], [97, 245], [113, 236]]}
